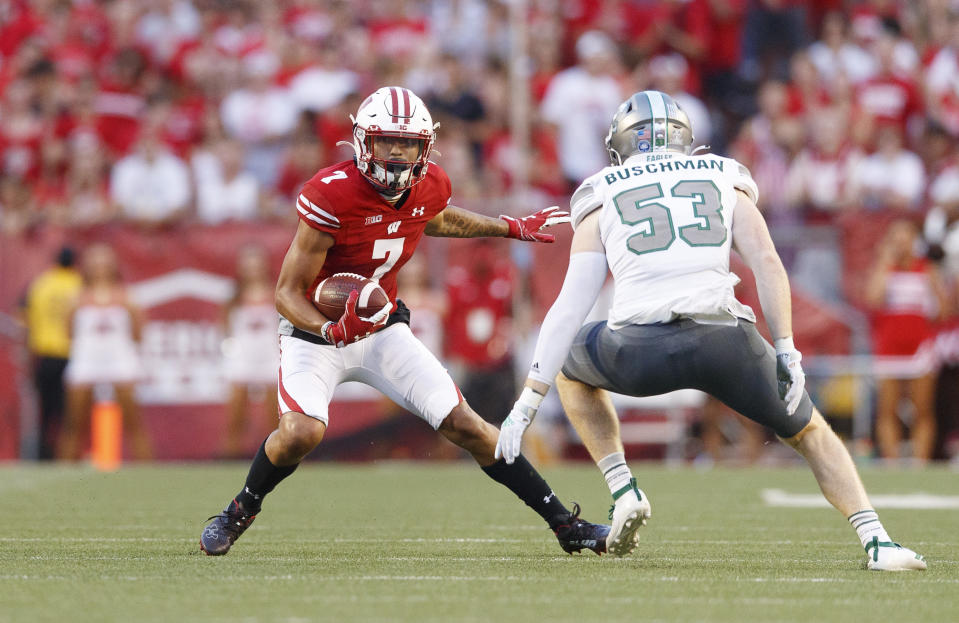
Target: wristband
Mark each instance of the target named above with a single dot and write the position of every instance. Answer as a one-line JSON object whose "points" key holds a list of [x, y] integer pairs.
{"points": [[529, 402], [784, 344], [325, 330]]}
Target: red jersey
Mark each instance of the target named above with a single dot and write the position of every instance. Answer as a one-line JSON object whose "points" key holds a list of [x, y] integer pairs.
{"points": [[372, 237]]}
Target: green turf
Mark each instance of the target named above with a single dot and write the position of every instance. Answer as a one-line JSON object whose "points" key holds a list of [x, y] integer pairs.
{"points": [[440, 542]]}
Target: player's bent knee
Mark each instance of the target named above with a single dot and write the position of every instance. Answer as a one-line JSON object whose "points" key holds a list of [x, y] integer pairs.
{"points": [[466, 428], [299, 433], [816, 422]]}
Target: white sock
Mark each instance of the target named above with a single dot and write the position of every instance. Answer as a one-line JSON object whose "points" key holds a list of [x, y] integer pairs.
{"points": [[867, 525], [615, 471]]}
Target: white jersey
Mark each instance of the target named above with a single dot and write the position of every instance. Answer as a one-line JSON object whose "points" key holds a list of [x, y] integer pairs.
{"points": [[666, 226]]}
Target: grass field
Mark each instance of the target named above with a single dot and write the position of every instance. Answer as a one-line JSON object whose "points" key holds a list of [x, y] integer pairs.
{"points": [[441, 542]]}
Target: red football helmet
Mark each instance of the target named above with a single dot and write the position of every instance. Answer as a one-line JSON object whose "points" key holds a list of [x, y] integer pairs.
{"points": [[392, 112]]}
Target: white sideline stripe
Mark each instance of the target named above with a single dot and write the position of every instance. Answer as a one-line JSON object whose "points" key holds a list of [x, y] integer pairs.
{"points": [[315, 218], [778, 497], [309, 204]]}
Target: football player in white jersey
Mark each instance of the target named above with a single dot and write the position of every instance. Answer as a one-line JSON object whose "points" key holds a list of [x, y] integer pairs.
{"points": [[663, 221]]}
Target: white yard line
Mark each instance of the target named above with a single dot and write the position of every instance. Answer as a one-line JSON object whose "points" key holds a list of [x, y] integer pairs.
{"points": [[919, 500]]}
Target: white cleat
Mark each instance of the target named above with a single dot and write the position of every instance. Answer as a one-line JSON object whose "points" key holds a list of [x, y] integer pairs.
{"points": [[889, 556], [630, 511]]}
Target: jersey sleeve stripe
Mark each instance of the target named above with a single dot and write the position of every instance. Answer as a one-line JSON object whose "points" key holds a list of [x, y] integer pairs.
{"points": [[306, 203], [316, 219]]}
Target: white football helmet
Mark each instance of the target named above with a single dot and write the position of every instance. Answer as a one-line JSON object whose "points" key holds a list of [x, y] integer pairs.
{"points": [[648, 121], [392, 112]]}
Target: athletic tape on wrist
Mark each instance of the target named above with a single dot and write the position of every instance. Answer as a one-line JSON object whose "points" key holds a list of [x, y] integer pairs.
{"points": [[529, 402], [784, 344]]}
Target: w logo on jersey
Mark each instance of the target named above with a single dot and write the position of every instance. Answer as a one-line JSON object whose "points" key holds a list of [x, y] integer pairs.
{"points": [[419, 211], [392, 228]]}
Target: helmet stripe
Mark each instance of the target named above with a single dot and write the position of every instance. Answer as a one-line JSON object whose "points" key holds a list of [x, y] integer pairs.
{"points": [[396, 104], [659, 118], [657, 105], [406, 103]]}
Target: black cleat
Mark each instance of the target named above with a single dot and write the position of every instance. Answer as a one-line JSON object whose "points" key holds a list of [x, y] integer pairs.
{"points": [[219, 535], [575, 534]]}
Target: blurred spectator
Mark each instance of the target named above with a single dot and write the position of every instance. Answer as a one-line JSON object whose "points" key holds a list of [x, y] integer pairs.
{"points": [[836, 56], [251, 355], [105, 333], [906, 296], [725, 19], [764, 145], [224, 191], [890, 96], [941, 229], [461, 27], [669, 73], [18, 209], [580, 101], [453, 93], [773, 31], [324, 83], [478, 328], [302, 160], [727, 436], [942, 78], [121, 103], [806, 94], [817, 184], [890, 179], [46, 314], [151, 186], [21, 131], [262, 117], [87, 200], [164, 25]]}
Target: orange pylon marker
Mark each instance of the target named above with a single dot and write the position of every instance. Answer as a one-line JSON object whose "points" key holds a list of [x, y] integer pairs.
{"points": [[107, 436]]}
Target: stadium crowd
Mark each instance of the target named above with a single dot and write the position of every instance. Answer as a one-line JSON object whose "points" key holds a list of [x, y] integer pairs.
{"points": [[162, 112]]}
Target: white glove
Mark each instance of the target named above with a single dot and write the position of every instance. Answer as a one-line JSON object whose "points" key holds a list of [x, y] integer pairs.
{"points": [[511, 433], [792, 380]]}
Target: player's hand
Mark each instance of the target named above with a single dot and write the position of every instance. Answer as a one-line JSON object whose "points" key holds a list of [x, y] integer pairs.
{"points": [[528, 227], [510, 441], [351, 327], [792, 379]]}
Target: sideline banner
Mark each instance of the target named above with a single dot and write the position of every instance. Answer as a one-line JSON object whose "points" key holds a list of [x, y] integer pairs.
{"points": [[181, 277]]}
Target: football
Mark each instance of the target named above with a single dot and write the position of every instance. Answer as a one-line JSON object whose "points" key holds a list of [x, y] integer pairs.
{"points": [[331, 294]]}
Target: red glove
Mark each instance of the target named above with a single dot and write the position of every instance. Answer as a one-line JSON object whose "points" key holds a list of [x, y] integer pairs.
{"points": [[351, 327], [527, 228]]}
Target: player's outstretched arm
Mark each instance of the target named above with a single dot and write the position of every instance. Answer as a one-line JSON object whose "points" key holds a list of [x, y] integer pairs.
{"points": [[454, 222], [584, 279], [302, 263], [751, 239]]}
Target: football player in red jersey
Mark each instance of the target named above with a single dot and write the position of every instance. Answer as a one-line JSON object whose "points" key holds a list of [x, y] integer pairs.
{"points": [[366, 216]]}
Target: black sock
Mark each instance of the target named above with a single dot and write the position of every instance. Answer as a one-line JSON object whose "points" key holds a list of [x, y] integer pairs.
{"points": [[522, 479], [263, 478]]}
